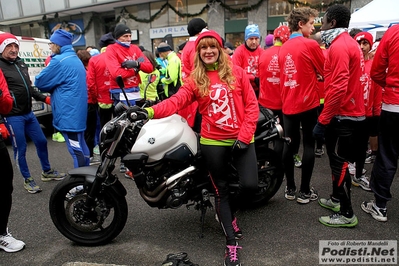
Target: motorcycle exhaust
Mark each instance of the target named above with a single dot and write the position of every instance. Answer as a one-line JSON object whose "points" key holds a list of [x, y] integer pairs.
{"points": [[174, 179], [144, 195], [157, 194], [156, 191]]}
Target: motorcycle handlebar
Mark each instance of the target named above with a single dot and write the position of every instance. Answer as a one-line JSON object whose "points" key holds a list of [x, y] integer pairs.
{"points": [[133, 116]]}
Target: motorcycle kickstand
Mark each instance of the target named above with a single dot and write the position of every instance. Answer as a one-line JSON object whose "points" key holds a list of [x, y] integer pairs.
{"points": [[202, 219], [204, 205]]}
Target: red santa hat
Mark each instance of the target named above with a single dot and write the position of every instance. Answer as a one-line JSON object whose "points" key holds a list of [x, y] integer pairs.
{"points": [[364, 35], [6, 39], [211, 34], [282, 32]]}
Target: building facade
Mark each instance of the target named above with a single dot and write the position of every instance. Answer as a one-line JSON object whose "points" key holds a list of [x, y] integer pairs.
{"points": [[151, 21]]}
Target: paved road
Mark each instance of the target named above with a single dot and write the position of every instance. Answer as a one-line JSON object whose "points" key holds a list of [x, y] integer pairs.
{"points": [[280, 233]]}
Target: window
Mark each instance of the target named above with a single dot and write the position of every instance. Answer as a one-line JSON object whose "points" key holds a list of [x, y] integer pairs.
{"points": [[168, 17], [235, 38], [163, 18], [327, 2], [180, 6], [236, 4], [27, 30], [279, 8], [283, 8]]}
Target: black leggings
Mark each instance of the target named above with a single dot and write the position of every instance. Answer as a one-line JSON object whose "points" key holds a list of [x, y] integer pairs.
{"points": [[6, 187], [217, 159], [105, 115], [386, 162], [343, 137], [91, 127], [292, 125]]}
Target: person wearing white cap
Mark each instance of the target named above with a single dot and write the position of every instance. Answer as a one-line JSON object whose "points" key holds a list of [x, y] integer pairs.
{"points": [[20, 120]]}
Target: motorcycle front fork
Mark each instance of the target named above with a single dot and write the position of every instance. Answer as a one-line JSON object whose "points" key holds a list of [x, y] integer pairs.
{"points": [[103, 171]]}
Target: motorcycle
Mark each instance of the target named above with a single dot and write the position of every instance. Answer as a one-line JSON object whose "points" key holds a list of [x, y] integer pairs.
{"points": [[89, 206]]}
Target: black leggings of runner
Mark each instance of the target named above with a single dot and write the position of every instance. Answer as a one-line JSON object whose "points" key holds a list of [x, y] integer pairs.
{"points": [[6, 186], [292, 123], [217, 160]]}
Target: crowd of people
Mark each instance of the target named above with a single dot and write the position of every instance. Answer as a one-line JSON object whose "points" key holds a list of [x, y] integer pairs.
{"points": [[331, 89]]}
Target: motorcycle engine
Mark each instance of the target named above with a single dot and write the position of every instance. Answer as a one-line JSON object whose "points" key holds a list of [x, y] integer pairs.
{"points": [[153, 189], [176, 199]]}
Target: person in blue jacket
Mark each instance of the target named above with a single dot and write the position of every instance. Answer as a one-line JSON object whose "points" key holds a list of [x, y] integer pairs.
{"points": [[65, 79]]}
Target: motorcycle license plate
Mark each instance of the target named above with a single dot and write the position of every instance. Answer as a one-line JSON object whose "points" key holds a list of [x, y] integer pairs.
{"points": [[37, 106]]}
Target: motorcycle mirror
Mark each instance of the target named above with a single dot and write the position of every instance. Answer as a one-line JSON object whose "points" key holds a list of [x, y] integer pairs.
{"points": [[120, 82], [150, 78], [121, 85]]}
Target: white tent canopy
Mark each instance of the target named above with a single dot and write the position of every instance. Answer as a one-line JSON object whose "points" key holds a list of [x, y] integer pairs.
{"points": [[376, 14]]}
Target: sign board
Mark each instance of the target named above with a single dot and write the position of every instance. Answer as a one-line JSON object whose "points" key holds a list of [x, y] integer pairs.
{"points": [[176, 31]]}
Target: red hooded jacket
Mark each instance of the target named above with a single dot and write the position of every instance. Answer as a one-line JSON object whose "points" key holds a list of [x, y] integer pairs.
{"points": [[385, 68], [300, 60], [116, 54], [226, 114], [344, 93]]}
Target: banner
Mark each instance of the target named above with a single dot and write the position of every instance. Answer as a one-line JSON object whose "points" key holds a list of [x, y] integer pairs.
{"points": [[73, 26]]}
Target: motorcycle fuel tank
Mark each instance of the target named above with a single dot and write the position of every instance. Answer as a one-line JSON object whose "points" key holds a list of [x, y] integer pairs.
{"points": [[158, 136]]}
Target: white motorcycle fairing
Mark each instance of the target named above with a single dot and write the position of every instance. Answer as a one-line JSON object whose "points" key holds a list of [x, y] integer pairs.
{"points": [[159, 136]]}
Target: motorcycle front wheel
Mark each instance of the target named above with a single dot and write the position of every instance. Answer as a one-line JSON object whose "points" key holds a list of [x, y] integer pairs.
{"points": [[97, 226]]}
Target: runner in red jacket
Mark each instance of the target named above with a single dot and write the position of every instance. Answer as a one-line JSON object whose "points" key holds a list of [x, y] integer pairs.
{"points": [[301, 63], [343, 116], [230, 113], [247, 55], [372, 103], [269, 77], [125, 59], [385, 72]]}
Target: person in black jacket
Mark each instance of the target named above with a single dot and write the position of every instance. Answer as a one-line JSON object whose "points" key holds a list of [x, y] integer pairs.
{"points": [[21, 120], [7, 242]]}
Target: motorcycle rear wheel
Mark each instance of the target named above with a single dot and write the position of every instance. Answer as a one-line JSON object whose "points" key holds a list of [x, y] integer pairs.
{"points": [[101, 225], [270, 177]]}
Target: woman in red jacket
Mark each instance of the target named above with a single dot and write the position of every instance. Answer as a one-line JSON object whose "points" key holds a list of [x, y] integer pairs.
{"points": [[7, 242], [229, 112]]}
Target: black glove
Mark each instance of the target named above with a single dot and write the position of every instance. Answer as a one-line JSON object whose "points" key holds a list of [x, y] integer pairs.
{"points": [[131, 64], [136, 113], [318, 131], [256, 80], [120, 107], [239, 146]]}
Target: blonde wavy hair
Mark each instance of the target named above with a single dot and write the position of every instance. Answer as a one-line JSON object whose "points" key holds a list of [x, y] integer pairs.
{"points": [[225, 68]]}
